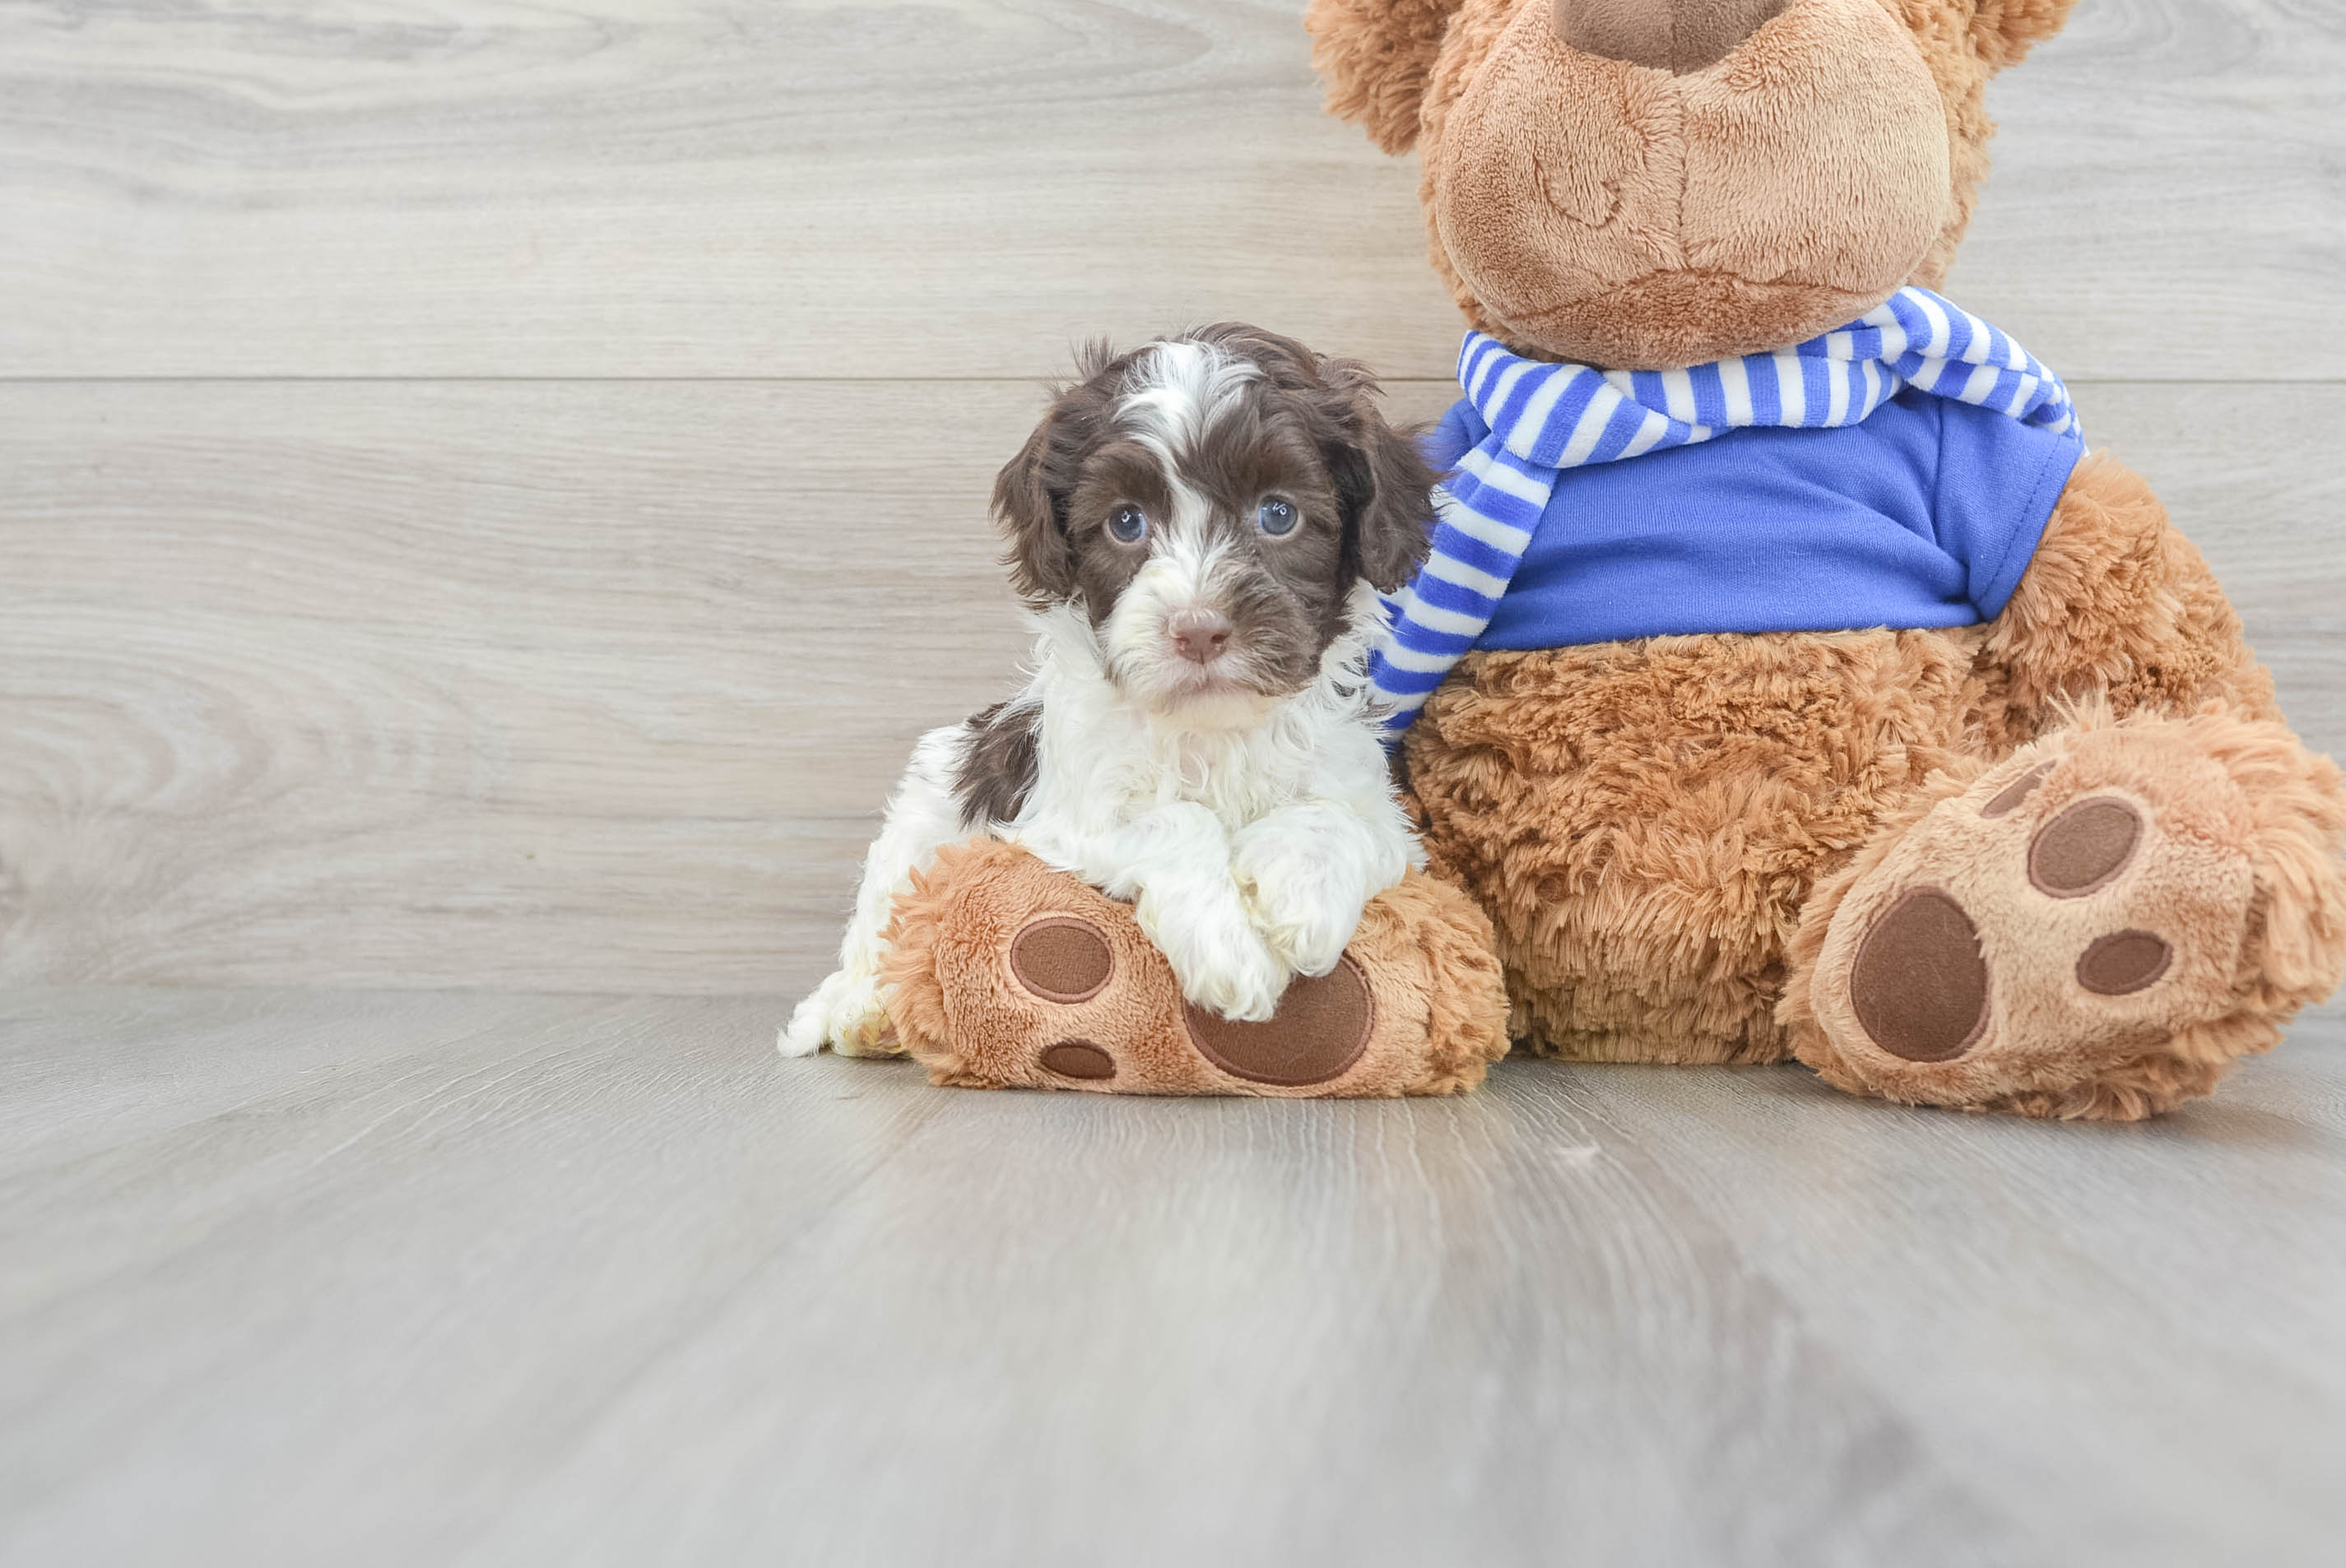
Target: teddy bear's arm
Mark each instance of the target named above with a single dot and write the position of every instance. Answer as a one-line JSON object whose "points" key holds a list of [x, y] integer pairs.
{"points": [[1376, 57], [2116, 601]]}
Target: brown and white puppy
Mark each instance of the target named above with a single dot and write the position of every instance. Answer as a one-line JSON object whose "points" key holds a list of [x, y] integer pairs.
{"points": [[1200, 530]]}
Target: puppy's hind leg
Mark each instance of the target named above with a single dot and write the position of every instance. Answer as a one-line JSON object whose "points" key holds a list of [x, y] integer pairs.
{"points": [[847, 1011]]}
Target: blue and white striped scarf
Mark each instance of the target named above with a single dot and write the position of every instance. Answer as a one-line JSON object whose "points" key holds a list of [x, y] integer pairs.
{"points": [[1545, 418]]}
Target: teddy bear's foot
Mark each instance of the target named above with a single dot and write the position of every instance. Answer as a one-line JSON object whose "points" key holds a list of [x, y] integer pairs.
{"points": [[2096, 928], [1003, 973]]}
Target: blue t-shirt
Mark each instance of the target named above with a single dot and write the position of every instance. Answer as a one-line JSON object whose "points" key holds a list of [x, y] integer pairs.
{"points": [[1923, 516]]}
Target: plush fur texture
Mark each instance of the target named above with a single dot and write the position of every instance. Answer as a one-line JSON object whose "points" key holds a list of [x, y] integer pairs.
{"points": [[1438, 1013], [1376, 57], [2117, 603], [1687, 844], [1644, 821], [1199, 530]]}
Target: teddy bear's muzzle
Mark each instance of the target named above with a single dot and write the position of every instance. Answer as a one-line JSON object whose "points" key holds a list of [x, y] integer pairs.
{"points": [[1675, 35], [1650, 216]]}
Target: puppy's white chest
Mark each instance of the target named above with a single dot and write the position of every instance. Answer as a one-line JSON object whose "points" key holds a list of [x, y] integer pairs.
{"points": [[1238, 781]]}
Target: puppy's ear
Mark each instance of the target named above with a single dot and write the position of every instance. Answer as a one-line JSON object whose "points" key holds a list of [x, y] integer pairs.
{"points": [[1030, 493], [1029, 510], [1383, 481]]}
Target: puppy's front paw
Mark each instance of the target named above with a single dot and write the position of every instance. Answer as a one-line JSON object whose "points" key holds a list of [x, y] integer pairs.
{"points": [[1296, 901], [1222, 964], [844, 1012]]}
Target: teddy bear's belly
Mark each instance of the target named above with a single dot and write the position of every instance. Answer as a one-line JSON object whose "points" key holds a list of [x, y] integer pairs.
{"points": [[1643, 820]]}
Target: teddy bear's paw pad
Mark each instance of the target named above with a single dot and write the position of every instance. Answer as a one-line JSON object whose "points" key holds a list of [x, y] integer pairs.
{"points": [[2049, 927], [1920, 985], [1323, 1025], [2005, 801], [2085, 847], [2124, 963], [1062, 959], [1079, 1059]]}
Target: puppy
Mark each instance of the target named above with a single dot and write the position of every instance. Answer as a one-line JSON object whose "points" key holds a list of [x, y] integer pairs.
{"points": [[1199, 530]]}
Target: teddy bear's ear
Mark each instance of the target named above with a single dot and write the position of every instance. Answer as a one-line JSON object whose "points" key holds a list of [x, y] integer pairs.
{"points": [[1376, 57], [1383, 482], [2002, 31]]}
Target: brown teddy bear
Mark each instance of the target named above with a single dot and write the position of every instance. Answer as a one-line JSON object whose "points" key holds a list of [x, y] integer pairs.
{"points": [[2033, 838]]}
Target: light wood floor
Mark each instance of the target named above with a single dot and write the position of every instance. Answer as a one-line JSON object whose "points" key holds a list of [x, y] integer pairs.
{"points": [[488, 493], [395, 1278]]}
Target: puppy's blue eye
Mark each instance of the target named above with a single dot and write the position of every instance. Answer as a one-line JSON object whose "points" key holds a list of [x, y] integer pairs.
{"points": [[1276, 518], [1128, 523]]}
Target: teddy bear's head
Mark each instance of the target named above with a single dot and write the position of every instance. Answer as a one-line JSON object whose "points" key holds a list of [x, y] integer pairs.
{"points": [[1651, 184]]}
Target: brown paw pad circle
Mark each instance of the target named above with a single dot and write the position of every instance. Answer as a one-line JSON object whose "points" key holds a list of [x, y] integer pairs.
{"points": [[2124, 963], [1062, 959], [1920, 984], [1323, 1025], [1079, 1059], [2083, 848]]}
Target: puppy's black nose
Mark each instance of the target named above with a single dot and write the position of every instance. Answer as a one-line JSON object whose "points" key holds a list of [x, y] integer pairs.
{"points": [[1199, 635]]}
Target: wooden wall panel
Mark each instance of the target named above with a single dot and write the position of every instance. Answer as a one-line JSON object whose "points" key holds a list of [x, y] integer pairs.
{"points": [[582, 686], [855, 187]]}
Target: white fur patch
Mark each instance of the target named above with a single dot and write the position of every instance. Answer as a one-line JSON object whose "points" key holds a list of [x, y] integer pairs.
{"points": [[1179, 391]]}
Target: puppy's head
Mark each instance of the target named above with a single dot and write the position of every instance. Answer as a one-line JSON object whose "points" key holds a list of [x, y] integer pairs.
{"points": [[1213, 503]]}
